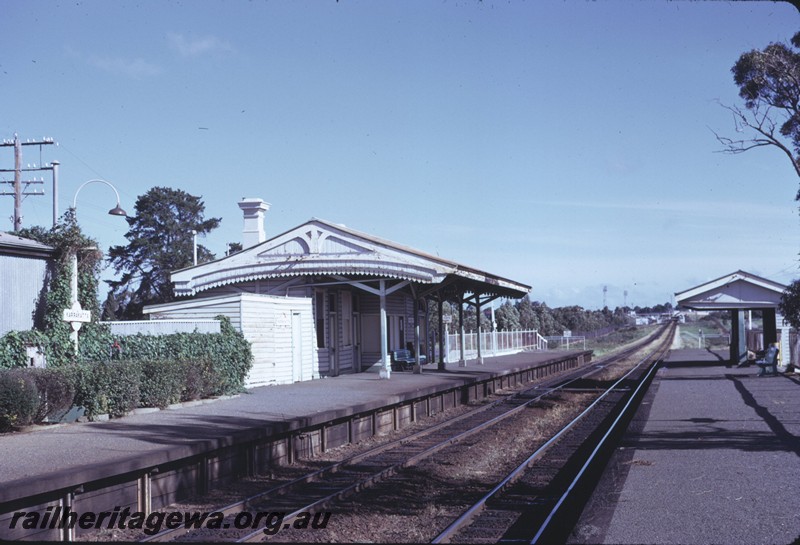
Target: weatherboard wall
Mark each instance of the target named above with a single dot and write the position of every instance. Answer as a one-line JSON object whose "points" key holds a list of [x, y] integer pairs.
{"points": [[280, 331]]}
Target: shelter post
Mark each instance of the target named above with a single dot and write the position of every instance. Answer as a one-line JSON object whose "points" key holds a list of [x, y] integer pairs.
{"points": [[386, 372], [442, 365], [417, 332], [770, 326], [478, 327], [738, 338], [462, 361]]}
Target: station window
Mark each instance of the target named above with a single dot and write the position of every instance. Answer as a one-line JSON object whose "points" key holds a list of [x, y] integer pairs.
{"points": [[319, 311], [347, 318]]}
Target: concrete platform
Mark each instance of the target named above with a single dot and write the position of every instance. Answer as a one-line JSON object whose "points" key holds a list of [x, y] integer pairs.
{"points": [[62, 457], [713, 456]]}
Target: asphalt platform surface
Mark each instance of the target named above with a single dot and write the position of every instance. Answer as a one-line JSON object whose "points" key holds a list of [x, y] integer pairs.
{"points": [[51, 457], [713, 456]]}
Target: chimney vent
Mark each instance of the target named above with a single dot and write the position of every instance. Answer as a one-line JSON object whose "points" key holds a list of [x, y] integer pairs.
{"points": [[253, 210]]}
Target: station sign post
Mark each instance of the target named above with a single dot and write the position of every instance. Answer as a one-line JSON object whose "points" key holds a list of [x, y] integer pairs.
{"points": [[76, 317]]}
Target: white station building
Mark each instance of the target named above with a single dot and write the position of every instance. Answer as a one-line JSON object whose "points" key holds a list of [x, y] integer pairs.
{"points": [[322, 299]]}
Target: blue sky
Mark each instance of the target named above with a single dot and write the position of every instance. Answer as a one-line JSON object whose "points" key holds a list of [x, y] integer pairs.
{"points": [[566, 145]]}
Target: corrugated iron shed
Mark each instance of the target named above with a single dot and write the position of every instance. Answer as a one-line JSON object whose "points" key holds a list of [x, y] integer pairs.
{"points": [[23, 272]]}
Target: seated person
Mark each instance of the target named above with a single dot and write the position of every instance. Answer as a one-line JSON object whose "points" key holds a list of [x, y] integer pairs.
{"points": [[768, 365], [751, 357]]}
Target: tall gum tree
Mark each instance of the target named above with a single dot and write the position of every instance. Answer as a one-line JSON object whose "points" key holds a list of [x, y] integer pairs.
{"points": [[769, 83], [160, 240]]}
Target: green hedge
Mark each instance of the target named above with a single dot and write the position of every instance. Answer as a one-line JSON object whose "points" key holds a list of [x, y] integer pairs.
{"points": [[106, 388], [140, 371], [56, 393], [118, 387], [19, 399], [228, 350]]}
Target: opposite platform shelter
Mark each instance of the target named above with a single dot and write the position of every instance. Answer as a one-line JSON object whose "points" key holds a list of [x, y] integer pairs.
{"points": [[738, 292]]}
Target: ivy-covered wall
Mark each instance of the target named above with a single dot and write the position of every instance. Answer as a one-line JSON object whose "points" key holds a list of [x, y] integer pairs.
{"points": [[128, 372], [109, 374]]}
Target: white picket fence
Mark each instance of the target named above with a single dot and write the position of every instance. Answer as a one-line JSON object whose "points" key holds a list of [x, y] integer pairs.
{"points": [[493, 343], [572, 342], [163, 327]]}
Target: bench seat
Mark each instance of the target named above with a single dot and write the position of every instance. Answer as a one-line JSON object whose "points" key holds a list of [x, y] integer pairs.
{"points": [[768, 365], [403, 360]]}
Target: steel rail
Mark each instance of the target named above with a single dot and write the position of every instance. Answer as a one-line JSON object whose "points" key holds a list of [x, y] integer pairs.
{"points": [[238, 506], [468, 516], [600, 444], [258, 535], [165, 535]]}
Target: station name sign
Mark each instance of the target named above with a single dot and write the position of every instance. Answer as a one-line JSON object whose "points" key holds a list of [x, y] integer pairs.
{"points": [[77, 315]]}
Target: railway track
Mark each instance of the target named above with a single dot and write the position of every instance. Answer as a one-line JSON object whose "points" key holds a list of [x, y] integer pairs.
{"points": [[296, 499], [540, 500]]}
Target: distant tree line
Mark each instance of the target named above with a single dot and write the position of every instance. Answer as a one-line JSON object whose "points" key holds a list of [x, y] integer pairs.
{"points": [[528, 315]]}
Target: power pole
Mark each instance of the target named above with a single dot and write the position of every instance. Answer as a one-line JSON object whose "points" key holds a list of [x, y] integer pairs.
{"points": [[605, 289], [19, 191]]}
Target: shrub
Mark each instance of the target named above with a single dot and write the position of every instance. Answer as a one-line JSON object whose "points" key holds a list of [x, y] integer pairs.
{"points": [[107, 388], [124, 379], [56, 393], [86, 385], [166, 382], [199, 380], [19, 399], [161, 383]]}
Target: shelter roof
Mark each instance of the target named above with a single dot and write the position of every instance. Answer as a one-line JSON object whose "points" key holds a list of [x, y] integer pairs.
{"points": [[738, 290], [322, 248], [15, 245]]}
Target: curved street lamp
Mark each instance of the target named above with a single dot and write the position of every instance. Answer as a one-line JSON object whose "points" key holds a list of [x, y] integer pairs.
{"points": [[76, 315], [116, 211]]}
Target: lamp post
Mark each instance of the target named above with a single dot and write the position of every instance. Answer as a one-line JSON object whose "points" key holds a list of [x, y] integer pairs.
{"points": [[116, 211], [75, 315]]}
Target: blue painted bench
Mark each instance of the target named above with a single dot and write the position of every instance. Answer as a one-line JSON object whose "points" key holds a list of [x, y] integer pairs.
{"points": [[768, 365], [403, 360]]}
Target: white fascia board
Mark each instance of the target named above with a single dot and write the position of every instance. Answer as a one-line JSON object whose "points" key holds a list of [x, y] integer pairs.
{"points": [[186, 303], [738, 293], [216, 300], [378, 258], [722, 281]]}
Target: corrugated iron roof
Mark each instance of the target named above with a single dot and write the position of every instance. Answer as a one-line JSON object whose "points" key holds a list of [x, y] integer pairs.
{"points": [[13, 244]]}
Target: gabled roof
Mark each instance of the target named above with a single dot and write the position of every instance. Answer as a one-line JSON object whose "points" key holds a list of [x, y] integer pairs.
{"points": [[15, 245], [738, 290], [322, 248]]}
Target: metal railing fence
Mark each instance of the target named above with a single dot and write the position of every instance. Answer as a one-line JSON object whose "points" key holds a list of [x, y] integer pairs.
{"points": [[493, 343], [573, 342]]}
